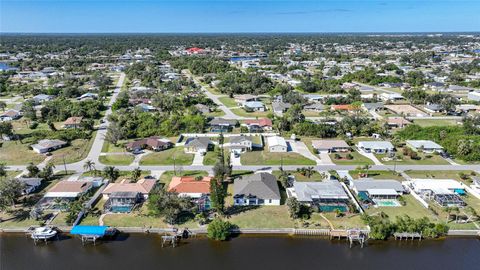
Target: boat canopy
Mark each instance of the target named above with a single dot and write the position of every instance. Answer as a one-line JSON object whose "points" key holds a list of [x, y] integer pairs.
{"points": [[89, 230]]}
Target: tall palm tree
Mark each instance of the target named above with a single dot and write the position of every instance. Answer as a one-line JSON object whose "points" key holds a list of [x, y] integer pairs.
{"points": [[136, 173], [89, 165], [111, 173]]}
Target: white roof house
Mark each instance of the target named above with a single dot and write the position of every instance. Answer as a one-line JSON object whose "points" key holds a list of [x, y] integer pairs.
{"points": [[308, 192], [437, 186], [277, 144], [425, 145], [376, 146], [475, 96]]}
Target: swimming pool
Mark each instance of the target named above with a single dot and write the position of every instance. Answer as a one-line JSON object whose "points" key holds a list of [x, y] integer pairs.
{"points": [[387, 203], [121, 209]]}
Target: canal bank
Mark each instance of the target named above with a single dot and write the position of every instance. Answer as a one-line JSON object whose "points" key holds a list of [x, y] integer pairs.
{"points": [[139, 251]]}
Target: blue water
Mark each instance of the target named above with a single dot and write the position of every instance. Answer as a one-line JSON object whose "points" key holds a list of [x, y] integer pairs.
{"points": [[121, 209], [240, 58]]}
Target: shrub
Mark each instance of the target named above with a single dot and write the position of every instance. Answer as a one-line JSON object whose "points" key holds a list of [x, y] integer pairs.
{"points": [[33, 125], [219, 230]]}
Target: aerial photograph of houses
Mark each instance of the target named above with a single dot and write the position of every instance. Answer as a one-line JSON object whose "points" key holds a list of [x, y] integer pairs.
{"points": [[204, 134]]}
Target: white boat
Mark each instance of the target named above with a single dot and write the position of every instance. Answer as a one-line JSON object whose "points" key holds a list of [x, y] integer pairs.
{"points": [[43, 233]]}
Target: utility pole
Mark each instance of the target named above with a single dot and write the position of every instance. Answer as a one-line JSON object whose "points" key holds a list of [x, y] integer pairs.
{"points": [[64, 164], [174, 167]]}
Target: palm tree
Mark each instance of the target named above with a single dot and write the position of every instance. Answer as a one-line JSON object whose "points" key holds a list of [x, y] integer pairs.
{"points": [[136, 174], [111, 173], [89, 165], [3, 170]]}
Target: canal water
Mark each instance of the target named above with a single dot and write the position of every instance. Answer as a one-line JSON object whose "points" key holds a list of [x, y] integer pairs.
{"points": [[131, 252]]}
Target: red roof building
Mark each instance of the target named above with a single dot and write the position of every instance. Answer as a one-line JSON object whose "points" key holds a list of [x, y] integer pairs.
{"points": [[190, 186], [194, 50]]}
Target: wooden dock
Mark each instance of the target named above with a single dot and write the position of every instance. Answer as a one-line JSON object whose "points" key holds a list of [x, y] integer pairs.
{"points": [[407, 236]]}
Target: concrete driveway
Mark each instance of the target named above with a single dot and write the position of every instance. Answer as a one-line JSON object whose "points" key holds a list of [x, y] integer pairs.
{"points": [[370, 156], [325, 158], [302, 149], [198, 159], [235, 160]]}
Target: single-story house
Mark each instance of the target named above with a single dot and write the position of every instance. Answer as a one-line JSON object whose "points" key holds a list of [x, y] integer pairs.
{"points": [[276, 144], [259, 125], [242, 99], [424, 145], [143, 186], [146, 107], [433, 108], [254, 106], [41, 98], [122, 201], [30, 184], [397, 122], [378, 147], [474, 96], [196, 189], [73, 122], [64, 191], [374, 106], [377, 188], [88, 96], [330, 146], [154, 143], [316, 107], [341, 107], [202, 108], [222, 125], [279, 107], [446, 192], [44, 146], [327, 195], [240, 144], [391, 96], [197, 145], [256, 189], [10, 115]]}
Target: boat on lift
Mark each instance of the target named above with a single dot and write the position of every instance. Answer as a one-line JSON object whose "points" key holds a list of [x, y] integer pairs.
{"points": [[43, 233]]}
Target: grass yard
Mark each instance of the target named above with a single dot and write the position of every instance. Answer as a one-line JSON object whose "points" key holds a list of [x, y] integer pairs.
{"points": [[110, 148], [316, 177], [268, 217], [168, 157], [228, 102], [16, 153], [216, 113], [438, 174], [211, 157], [413, 208], [435, 122], [378, 175], [21, 220], [268, 158], [140, 218], [356, 160], [347, 221], [243, 113], [425, 159], [76, 151], [116, 159]]}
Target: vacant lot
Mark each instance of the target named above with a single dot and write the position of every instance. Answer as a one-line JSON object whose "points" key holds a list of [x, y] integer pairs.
{"points": [[377, 175], [268, 158], [228, 102], [76, 151], [356, 160], [116, 159], [16, 153], [166, 177], [278, 217], [168, 157], [435, 122], [424, 159]]}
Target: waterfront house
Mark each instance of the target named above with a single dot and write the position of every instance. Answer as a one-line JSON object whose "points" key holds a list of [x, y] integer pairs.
{"points": [[61, 194], [198, 145], [45, 146], [276, 144], [195, 188], [377, 147], [330, 146], [377, 189], [143, 186], [327, 195], [445, 192], [154, 143], [424, 146], [72, 122], [256, 189]]}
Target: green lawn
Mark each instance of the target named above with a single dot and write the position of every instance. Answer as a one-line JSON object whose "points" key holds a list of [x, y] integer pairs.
{"points": [[168, 157], [357, 159], [228, 102], [413, 208], [425, 159], [16, 153], [211, 157], [116, 160], [315, 177], [437, 174], [278, 217], [268, 158], [378, 175], [435, 122], [242, 112], [110, 148], [76, 151]]}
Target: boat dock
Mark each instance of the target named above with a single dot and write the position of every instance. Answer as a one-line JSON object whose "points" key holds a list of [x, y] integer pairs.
{"points": [[406, 235], [90, 234]]}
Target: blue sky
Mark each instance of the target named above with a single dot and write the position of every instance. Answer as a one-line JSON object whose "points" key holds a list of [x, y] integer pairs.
{"points": [[88, 16]]}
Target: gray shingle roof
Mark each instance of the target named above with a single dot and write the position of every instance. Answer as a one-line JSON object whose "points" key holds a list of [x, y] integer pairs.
{"points": [[260, 185]]}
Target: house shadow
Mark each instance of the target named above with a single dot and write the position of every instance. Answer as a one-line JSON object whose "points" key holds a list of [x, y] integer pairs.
{"points": [[235, 210]]}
